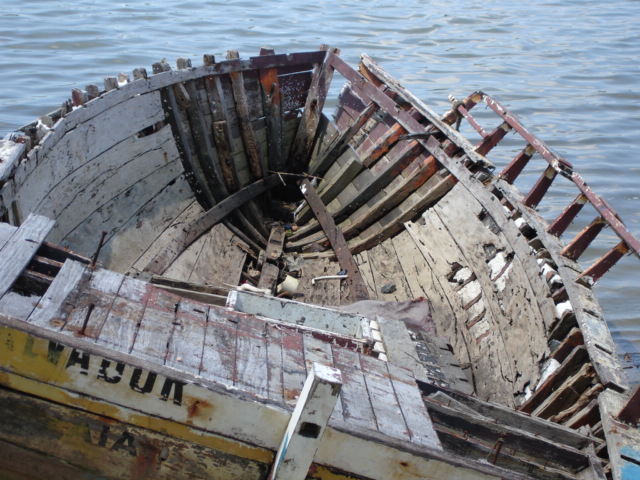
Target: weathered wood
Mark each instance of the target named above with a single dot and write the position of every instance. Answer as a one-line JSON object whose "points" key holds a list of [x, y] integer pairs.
{"points": [[10, 154], [355, 281], [307, 424], [481, 428], [119, 330], [248, 135], [17, 305], [299, 156], [356, 401], [155, 329], [219, 353], [20, 249], [93, 306], [207, 220], [53, 307], [272, 104]]}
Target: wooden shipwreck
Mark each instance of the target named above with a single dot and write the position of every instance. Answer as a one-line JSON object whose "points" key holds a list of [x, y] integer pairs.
{"points": [[202, 276]]}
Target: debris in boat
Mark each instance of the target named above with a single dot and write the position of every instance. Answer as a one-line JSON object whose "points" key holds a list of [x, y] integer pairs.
{"points": [[328, 277], [245, 287], [288, 286], [388, 288]]}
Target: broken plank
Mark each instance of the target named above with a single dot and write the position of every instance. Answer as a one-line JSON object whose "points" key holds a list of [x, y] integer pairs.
{"points": [[273, 113], [20, 249]]}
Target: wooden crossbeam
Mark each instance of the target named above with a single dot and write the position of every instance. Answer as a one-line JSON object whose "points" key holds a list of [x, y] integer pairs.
{"points": [[355, 281]]}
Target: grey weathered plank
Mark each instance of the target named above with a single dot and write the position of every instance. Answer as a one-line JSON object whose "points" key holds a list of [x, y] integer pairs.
{"points": [[6, 231], [156, 326], [356, 402], [119, 329], [413, 409], [218, 356], [386, 408], [20, 249], [251, 372], [52, 308], [320, 351], [10, 154], [293, 366], [273, 336], [92, 308], [187, 340], [18, 306]]}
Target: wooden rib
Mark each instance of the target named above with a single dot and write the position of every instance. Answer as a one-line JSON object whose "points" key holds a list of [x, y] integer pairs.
{"points": [[308, 126], [540, 188], [202, 142], [271, 102], [207, 220], [355, 281], [561, 223], [602, 266], [246, 129], [567, 393], [322, 162], [383, 145], [581, 241], [270, 270], [492, 139], [515, 167]]}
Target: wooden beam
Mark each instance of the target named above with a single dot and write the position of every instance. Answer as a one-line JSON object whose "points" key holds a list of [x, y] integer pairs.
{"points": [[355, 281], [246, 129], [307, 425], [272, 105], [308, 126], [208, 219]]}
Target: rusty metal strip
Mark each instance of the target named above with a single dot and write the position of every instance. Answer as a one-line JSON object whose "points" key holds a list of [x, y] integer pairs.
{"points": [[608, 213], [559, 163], [355, 281]]}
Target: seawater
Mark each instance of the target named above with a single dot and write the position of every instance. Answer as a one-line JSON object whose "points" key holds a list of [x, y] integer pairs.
{"points": [[568, 69]]}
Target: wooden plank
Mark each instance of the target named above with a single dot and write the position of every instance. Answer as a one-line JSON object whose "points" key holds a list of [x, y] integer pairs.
{"points": [[338, 242], [481, 428], [386, 408], [60, 297], [207, 220], [10, 154], [156, 326], [293, 366], [6, 231], [218, 356], [307, 424], [299, 156], [92, 308], [356, 402], [251, 372], [17, 305], [119, 330], [413, 408], [20, 249], [242, 108], [273, 112], [187, 339], [273, 336]]}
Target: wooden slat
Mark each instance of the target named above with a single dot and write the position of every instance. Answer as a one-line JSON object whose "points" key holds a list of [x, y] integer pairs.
{"points": [[251, 372], [356, 402], [53, 306], [306, 134], [20, 249], [6, 231], [92, 308], [205, 221], [187, 339], [273, 114], [156, 326], [218, 356], [246, 129], [294, 371], [119, 330], [339, 244]]}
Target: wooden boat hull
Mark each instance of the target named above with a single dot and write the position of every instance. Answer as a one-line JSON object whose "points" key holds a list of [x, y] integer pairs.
{"points": [[156, 197]]}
